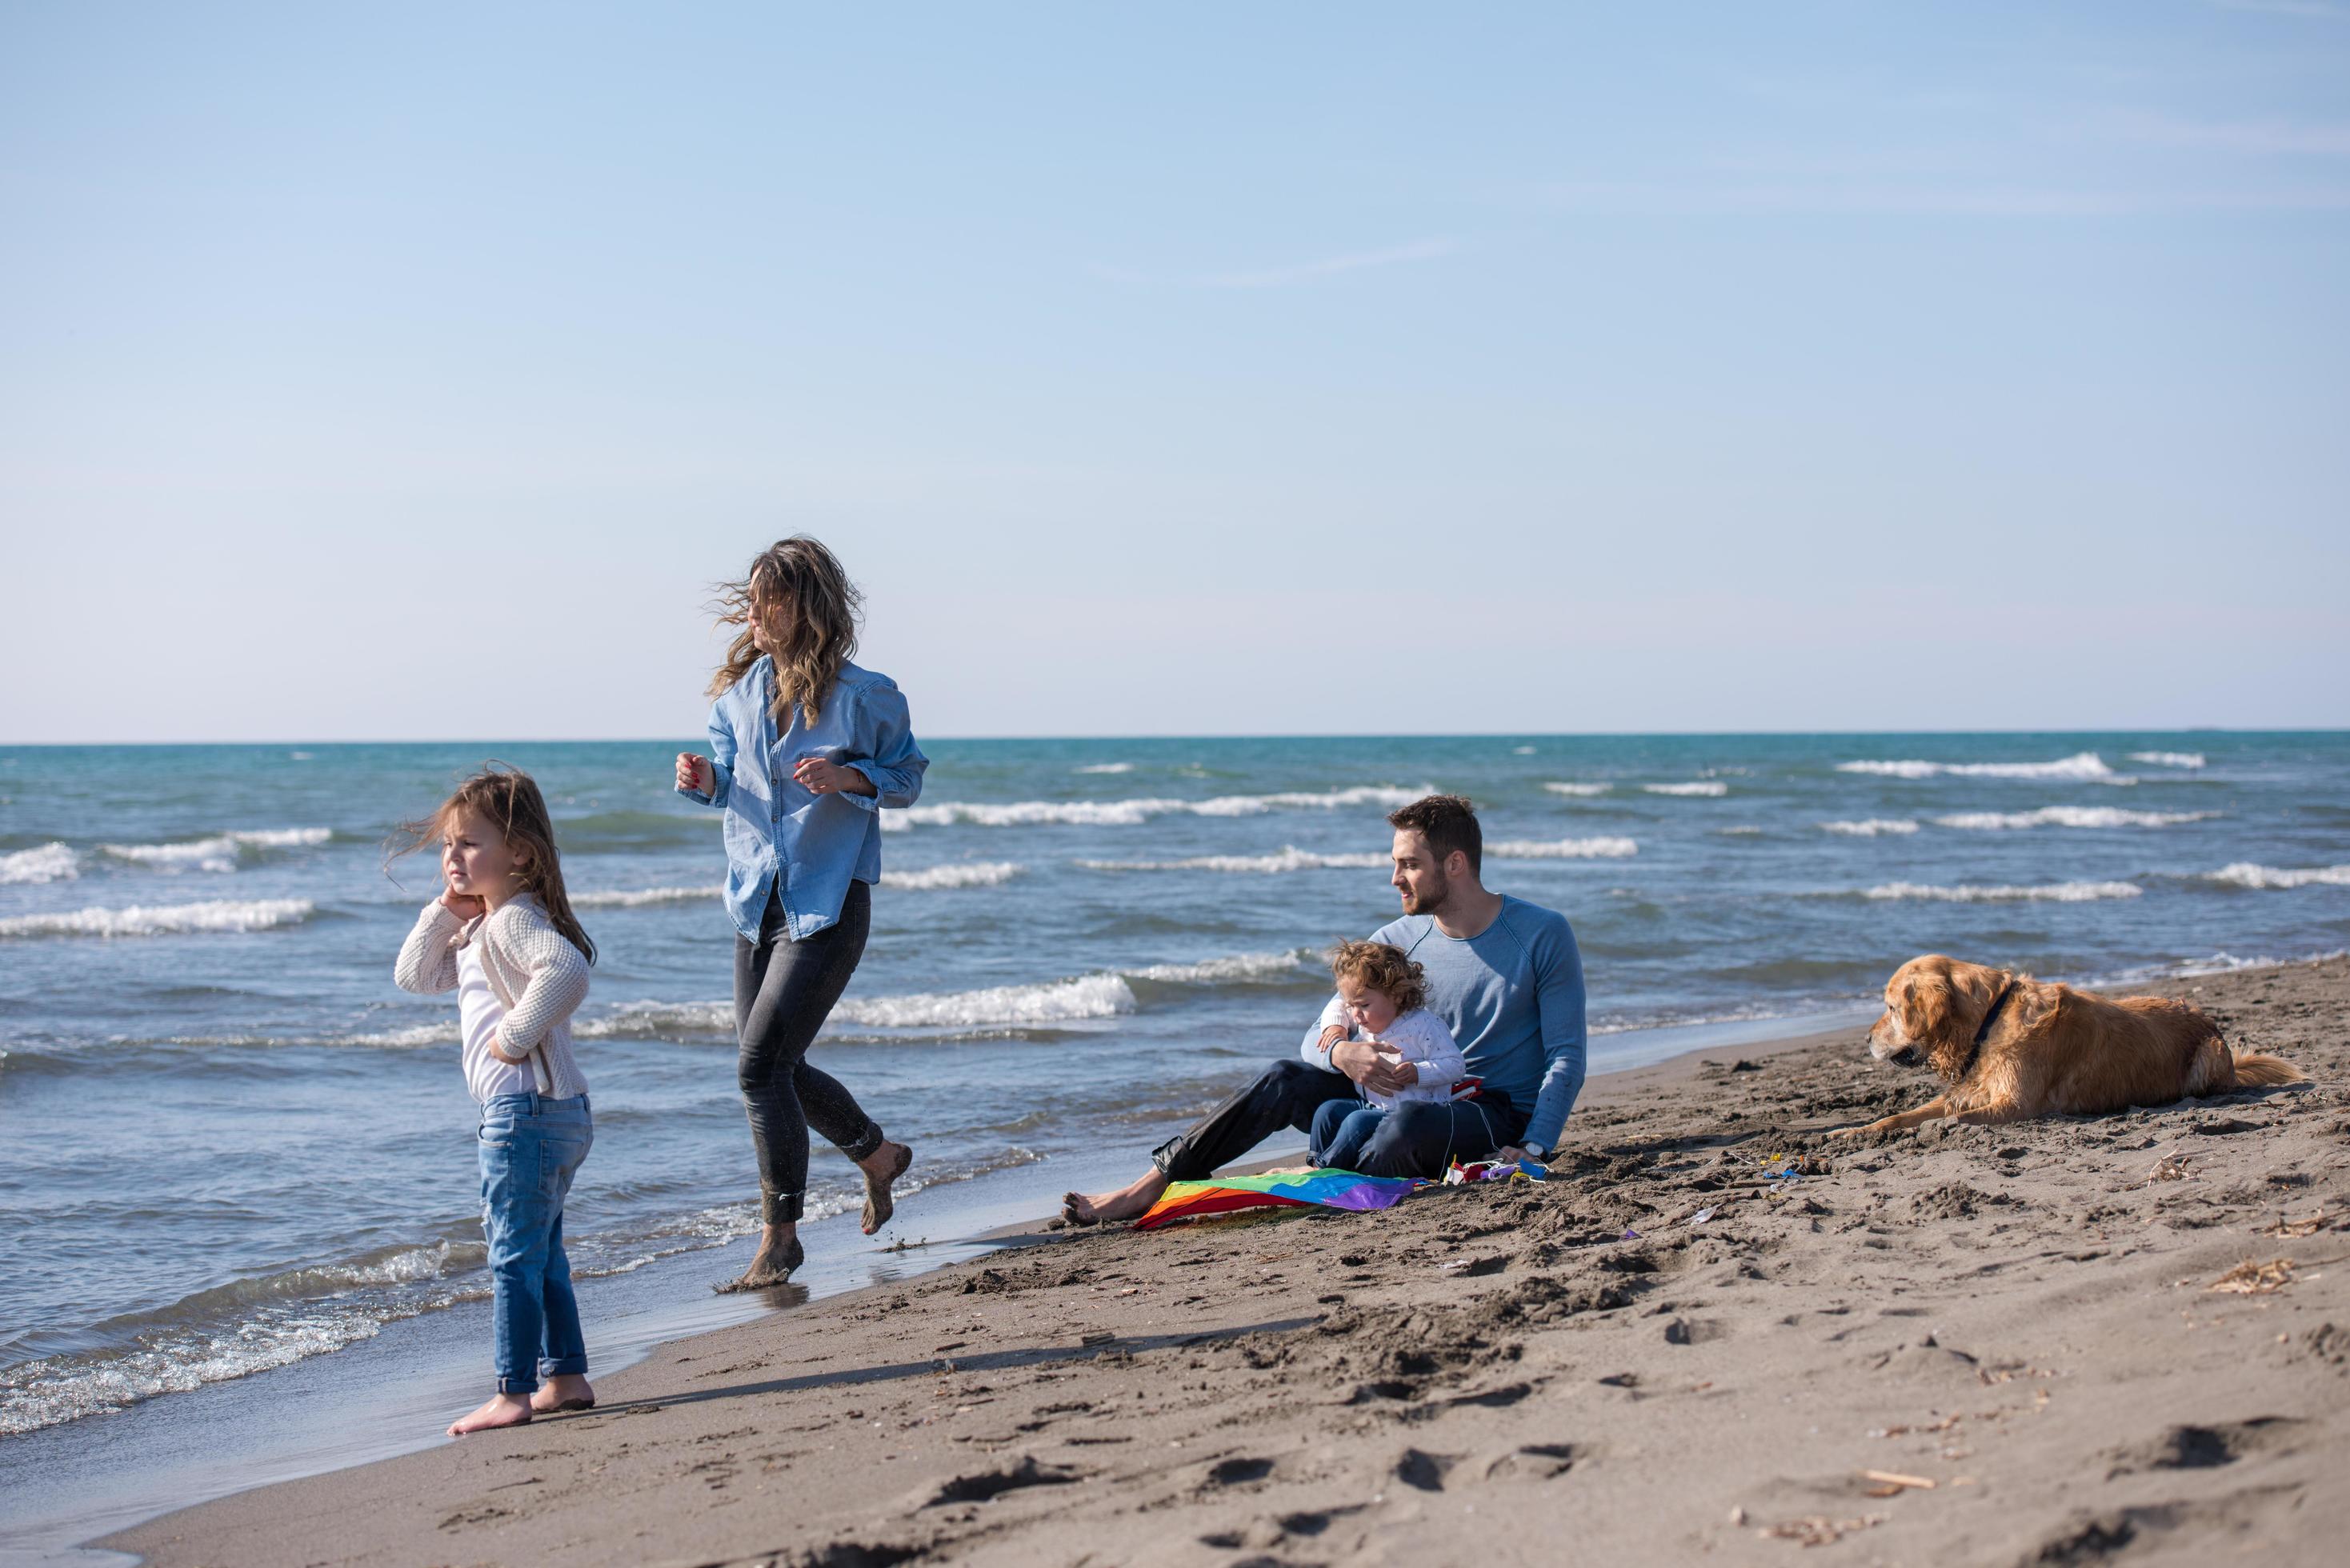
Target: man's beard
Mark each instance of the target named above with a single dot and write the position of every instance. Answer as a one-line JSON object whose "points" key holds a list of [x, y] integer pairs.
{"points": [[1427, 902]]}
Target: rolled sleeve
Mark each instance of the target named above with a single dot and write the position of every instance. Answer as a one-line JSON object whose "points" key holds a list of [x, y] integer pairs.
{"points": [[721, 760], [892, 762]]}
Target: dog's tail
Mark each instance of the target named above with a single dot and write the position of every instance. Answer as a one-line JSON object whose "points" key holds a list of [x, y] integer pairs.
{"points": [[2257, 1071]]}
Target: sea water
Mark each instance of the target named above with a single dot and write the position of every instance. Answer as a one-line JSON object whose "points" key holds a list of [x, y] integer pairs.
{"points": [[228, 1145]]}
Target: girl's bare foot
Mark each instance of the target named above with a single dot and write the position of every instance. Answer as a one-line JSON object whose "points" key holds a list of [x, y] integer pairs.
{"points": [[1104, 1208], [883, 1166], [779, 1254], [564, 1391], [503, 1410]]}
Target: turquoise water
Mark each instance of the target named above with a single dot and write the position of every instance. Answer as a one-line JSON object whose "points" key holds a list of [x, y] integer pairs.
{"points": [[231, 1146]]}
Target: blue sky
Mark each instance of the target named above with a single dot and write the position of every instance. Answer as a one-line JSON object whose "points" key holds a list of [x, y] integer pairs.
{"points": [[411, 372]]}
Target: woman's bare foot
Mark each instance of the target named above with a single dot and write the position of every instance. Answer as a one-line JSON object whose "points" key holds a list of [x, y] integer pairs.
{"points": [[1104, 1208], [779, 1254], [503, 1410], [883, 1166], [564, 1391]]}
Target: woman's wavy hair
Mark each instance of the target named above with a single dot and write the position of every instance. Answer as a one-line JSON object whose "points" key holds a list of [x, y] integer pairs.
{"points": [[1383, 969], [508, 799], [798, 585]]}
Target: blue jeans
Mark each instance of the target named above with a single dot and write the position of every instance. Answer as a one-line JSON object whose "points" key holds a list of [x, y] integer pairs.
{"points": [[530, 1147], [1341, 1129]]}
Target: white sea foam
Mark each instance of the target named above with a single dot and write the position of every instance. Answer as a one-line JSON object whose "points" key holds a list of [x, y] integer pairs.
{"points": [[1289, 858], [639, 897], [1219, 970], [220, 852], [1562, 849], [1075, 999], [164, 920], [1871, 828], [2045, 892], [2168, 759], [965, 874], [1521, 750], [2070, 816], [1572, 788], [1697, 786], [1056, 1001], [1130, 812], [2246, 874], [49, 863], [1105, 768], [174, 1359], [1743, 830], [2083, 765]]}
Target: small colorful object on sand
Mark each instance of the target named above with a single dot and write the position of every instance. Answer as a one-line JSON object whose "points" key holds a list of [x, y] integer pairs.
{"points": [[1494, 1170], [1326, 1189]]}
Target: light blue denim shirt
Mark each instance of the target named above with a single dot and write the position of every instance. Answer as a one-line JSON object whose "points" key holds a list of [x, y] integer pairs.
{"points": [[817, 844]]}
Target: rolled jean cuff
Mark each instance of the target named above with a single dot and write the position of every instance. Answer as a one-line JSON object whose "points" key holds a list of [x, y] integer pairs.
{"points": [[524, 1384], [779, 1208], [563, 1367], [867, 1142]]}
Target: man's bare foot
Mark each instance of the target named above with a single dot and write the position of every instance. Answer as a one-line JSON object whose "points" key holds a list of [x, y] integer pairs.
{"points": [[779, 1254], [1104, 1208], [503, 1410], [883, 1166], [564, 1391]]}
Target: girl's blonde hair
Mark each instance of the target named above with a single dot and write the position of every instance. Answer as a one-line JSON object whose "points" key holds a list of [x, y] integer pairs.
{"points": [[508, 799], [801, 579], [1383, 969]]}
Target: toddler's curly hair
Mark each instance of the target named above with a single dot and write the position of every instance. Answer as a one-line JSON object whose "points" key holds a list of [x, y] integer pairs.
{"points": [[1385, 969]]}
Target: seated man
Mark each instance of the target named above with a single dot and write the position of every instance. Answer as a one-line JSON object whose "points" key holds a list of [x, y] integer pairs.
{"points": [[1501, 973]]}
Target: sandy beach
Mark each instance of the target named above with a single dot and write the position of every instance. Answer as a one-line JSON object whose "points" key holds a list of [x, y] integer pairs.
{"points": [[2057, 1341]]}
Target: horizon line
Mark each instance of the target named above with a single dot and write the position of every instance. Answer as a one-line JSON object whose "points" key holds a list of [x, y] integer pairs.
{"points": [[1236, 735]]}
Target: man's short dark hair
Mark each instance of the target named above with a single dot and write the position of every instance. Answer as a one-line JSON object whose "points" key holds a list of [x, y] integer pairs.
{"points": [[1448, 822]]}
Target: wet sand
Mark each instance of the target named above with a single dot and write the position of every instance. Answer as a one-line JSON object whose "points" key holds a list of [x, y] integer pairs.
{"points": [[1958, 1345]]}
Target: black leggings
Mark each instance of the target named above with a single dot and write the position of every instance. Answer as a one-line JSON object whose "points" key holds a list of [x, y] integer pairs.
{"points": [[784, 990]]}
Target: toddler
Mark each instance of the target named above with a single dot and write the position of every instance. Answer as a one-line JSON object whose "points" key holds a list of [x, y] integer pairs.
{"points": [[1384, 996]]}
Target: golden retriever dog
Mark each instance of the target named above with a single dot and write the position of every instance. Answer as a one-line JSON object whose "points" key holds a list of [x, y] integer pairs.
{"points": [[2012, 1047]]}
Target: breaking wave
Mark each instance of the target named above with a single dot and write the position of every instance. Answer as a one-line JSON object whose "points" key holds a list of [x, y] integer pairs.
{"points": [[2083, 765], [2168, 759], [1603, 848], [1105, 768], [2070, 816], [1078, 999], [49, 863], [968, 874], [1696, 786], [1871, 828], [2045, 892], [1289, 858], [220, 852], [641, 898], [1132, 812], [2245, 873], [164, 920], [1584, 790]]}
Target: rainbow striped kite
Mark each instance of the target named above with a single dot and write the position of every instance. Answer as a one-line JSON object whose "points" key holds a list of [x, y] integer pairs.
{"points": [[1328, 1189]]}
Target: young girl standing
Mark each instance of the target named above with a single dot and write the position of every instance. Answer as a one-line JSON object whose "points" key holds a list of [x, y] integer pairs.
{"points": [[503, 938], [806, 749]]}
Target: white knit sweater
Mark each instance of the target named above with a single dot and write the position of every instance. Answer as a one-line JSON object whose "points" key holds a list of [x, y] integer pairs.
{"points": [[539, 976]]}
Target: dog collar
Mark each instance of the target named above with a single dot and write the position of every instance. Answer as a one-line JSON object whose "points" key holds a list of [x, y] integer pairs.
{"points": [[1998, 1005]]}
